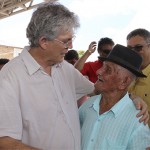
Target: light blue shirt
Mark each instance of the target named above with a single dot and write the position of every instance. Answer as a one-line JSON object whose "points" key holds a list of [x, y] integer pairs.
{"points": [[116, 129]]}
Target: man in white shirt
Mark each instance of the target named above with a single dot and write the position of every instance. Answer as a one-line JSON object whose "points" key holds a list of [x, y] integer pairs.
{"points": [[39, 90]]}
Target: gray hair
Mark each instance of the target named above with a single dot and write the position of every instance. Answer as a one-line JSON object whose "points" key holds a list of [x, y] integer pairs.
{"points": [[50, 20], [140, 32]]}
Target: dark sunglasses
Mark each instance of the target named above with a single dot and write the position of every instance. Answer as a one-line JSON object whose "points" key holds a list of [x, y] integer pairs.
{"points": [[106, 51], [138, 47]]}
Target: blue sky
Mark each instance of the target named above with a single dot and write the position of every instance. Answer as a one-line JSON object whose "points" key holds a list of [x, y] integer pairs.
{"points": [[98, 18]]}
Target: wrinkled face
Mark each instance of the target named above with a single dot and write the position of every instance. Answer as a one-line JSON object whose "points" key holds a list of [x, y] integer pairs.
{"points": [[55, 50], [105, 49], [109, 77], [138, 44]]}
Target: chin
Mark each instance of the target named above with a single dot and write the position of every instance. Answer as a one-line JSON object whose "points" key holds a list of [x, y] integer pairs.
{"points": [[61, 60]]}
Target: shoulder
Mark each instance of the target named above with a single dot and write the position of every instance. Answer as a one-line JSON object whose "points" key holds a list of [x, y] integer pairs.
{"points": [[89, 102], [12, 67], [129, 111], [67, 65]]}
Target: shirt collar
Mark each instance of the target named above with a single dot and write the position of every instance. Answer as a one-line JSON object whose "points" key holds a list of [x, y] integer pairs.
{"points": [[146, 70], [30, 62], [117, 108]]}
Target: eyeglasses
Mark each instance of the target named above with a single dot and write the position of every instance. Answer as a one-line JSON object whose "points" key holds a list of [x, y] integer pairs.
{"points": [[66, 44], [106, 51], [138, 47]]}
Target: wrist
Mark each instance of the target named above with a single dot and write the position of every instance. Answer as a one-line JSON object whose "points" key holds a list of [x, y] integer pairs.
{"points": [[89, 51]]}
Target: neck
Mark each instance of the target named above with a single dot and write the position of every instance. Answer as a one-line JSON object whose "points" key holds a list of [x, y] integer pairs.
{"points": [[146, 62], [37, 54], [144, 66], [108, 100]]}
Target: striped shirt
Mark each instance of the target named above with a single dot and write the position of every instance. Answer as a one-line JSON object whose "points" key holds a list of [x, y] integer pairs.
{"points": [[116, 129]]}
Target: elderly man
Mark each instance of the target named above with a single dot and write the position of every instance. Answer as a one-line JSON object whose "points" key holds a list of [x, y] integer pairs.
{"points": [[108, 120]]}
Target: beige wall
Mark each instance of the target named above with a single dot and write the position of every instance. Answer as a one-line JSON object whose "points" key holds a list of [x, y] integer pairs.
{"points": [[9, 51]]}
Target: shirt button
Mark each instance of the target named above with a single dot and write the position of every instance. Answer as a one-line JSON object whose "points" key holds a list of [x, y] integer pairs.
{"points": [[145, 94]]}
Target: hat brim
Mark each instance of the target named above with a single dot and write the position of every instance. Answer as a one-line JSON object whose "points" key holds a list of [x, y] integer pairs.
{"points": [[136, 72]]}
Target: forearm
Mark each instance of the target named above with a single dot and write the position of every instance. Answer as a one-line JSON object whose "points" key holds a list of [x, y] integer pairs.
{"points": [[7, 143], [80, 63]]}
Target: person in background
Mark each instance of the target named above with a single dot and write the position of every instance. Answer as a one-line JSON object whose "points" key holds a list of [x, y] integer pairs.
{"points": [[89, 69], [39, 90], [3, 61], [108, 120], [71, 56], [139, 41]]}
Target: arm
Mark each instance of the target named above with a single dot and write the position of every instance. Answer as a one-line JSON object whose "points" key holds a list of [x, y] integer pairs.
{"points": [[8, 143], [82, 100], [80, 63], [141, 105]]}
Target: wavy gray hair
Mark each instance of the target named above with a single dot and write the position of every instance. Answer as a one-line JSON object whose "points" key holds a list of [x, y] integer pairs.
{"points": [[50, 20]]}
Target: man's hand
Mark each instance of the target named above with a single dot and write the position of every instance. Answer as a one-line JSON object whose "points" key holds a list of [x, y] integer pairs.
{"points": [[141, 105], [8, 143], [80, 63], [92, 47]]}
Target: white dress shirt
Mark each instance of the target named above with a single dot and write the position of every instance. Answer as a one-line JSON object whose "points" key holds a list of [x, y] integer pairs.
{"points": [[39, 109]]}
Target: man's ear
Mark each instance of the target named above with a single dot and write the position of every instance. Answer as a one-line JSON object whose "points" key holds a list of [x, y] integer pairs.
{"points": [[125, 83], [43, 42]]}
